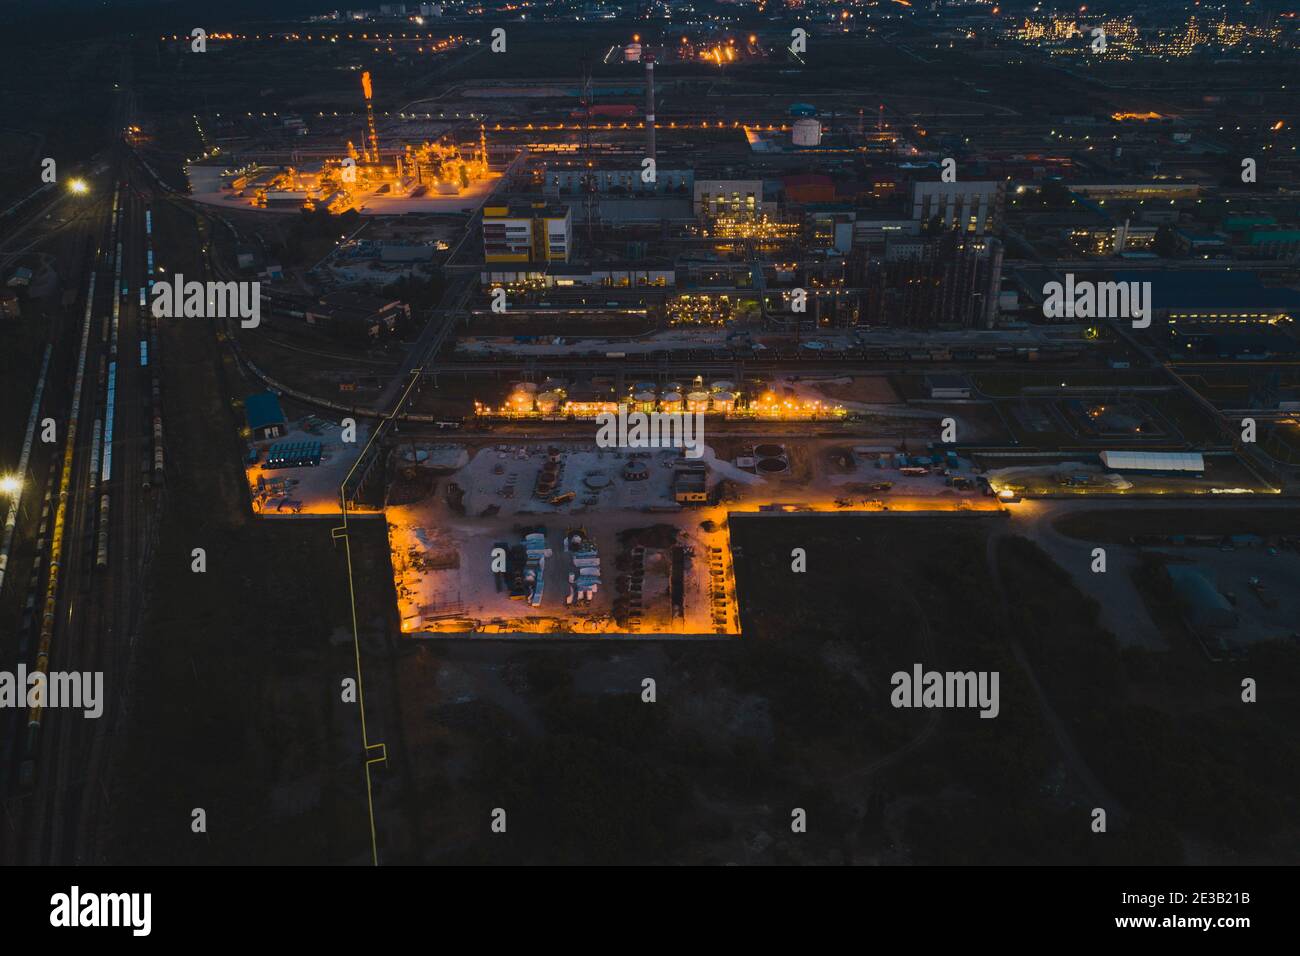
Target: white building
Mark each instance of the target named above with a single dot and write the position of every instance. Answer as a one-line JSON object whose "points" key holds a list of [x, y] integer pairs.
{"points": [[974, 207]]}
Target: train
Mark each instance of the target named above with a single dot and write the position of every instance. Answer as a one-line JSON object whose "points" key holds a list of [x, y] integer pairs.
{"points": [[792, 353]]}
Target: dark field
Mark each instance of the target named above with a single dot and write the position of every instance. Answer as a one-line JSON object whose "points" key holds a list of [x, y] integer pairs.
{"points": [[793, 714]]}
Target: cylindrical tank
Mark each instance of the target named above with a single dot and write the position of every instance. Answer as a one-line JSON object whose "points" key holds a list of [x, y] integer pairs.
{"points": [[520, 400], [671, 401], [643, 387], [806, 132], [644, 401], [548, 403], [530, 387], [697, 402], [723, 386], [674, 387], [724, 401]]}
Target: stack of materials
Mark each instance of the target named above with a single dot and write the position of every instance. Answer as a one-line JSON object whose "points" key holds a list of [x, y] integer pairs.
{"points": [[584, 580], [534, 568], [549, 476]]}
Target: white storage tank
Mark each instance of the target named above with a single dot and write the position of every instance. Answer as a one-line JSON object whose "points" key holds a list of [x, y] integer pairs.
{"points": [[671, 401], [697, 402], [807, 132], [724, 401], [644, 401]]}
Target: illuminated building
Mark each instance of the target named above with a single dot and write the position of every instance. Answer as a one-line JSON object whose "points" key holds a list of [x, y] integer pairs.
{"points": [[737, 197], [1187, 43], [527, 233]]}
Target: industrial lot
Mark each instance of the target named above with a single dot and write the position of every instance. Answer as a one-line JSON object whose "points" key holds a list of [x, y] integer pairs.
{"points": [[606, 342]]}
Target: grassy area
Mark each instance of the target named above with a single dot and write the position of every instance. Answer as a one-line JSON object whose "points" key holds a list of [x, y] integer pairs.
{"points": [[1167, 732], [794, 713], [1120, 525]]}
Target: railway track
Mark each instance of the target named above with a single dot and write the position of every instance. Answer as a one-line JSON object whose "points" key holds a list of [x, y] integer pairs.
{"points": [[110, 534]]}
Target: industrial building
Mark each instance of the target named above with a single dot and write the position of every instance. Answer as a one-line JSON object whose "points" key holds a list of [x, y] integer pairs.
{"points": [[563, 178], [356, 314], [607, 276], [728, 197], [972, 207], [952, 281], [534, 232], [1154, 461], [1217, 297], [264, 416]]}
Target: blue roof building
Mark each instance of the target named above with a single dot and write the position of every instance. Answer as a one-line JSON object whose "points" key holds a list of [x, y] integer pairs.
{"points": [[265, 416]]}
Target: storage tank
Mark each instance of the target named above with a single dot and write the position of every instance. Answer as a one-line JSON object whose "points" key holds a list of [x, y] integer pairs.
{"points": [[806, 132], [644, 401], [643, 387], [548, 403], [632, 53], [520, 400], [723, 386], [671, 401], [697, 402], [724, 401]]}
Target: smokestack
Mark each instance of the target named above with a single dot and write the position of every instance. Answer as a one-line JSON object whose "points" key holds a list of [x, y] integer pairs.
{"points": [[373, 152], [650, 106]]}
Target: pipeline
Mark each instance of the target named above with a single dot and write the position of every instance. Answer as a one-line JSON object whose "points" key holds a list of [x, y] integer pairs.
{"points": [[11, 519]]}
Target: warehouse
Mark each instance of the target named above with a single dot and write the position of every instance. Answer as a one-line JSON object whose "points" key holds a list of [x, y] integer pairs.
{"points": [[1215, 298], [264, 415], [1154, 461]]}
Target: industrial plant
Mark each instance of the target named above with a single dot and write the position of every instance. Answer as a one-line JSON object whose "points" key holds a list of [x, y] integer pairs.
{"points": [[604, 433]]}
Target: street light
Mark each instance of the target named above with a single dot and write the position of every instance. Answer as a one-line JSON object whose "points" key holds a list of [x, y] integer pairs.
{"points": [[78, 187], [10, 485]]}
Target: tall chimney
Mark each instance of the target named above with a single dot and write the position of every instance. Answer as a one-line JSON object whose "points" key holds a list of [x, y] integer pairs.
{"points": [[372, 152], [650, 107]]}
